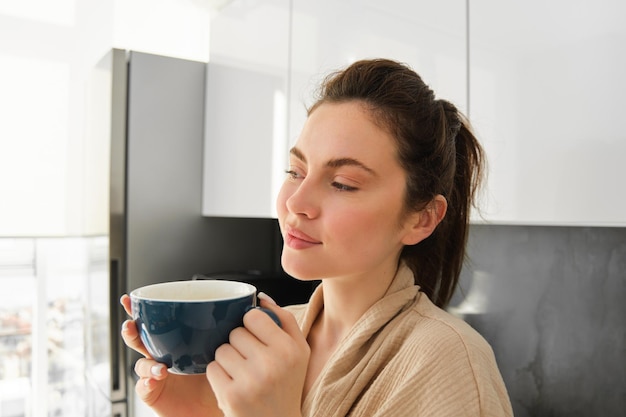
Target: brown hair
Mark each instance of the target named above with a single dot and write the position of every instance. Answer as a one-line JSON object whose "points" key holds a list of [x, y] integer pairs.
{"points": [[436, 148]]}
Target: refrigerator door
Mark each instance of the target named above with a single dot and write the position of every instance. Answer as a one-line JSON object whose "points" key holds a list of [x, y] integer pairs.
{"points": [[117, 224]]}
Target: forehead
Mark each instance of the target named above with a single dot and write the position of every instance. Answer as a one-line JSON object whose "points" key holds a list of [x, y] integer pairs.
{"points": [[345, 129]]}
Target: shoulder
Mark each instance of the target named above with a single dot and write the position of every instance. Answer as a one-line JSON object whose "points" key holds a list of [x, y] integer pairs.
{"points": [[443, 341], [456, 358], [443, 325]]}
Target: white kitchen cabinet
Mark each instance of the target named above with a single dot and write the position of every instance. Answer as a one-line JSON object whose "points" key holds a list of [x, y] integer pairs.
{"points": [[330, 34], [246, 109], [266, 60], [547, 93]]}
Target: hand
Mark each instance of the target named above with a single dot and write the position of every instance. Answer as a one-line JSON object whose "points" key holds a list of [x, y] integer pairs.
{"points": [[167, 394], [261, 371]]}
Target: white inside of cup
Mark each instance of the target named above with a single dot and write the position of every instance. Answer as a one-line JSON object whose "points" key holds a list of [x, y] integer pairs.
{"points": [[194, 291]]}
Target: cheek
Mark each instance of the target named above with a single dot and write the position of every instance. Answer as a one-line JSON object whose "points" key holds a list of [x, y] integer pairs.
{"points": [[366, 228], [349, 225]]}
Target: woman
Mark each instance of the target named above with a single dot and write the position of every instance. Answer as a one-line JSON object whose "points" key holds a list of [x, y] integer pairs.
{"points": [[375, 204]]}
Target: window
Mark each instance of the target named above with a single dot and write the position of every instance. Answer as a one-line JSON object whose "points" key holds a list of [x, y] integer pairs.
{"points": [[42, 323], [53, 188]]}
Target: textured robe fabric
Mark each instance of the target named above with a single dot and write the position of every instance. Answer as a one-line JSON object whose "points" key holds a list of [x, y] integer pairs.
{"points": [[405, 357]]}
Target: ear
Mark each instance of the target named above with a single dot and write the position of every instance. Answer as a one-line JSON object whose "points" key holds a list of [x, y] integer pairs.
{"points": [[421, 224]]}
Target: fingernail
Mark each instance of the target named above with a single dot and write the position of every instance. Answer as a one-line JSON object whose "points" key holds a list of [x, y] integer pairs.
{"points": [[125, 326], [267, 298], [146, 382], [156, 370]]}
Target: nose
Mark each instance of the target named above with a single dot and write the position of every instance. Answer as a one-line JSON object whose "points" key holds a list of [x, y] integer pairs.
{"points": [[303, 199]]}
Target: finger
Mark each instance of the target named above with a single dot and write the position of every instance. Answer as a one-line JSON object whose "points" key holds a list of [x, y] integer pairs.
{"points": [[149, 389], [218, 378], [264, 298], [283, 315], [266, 330], [244, 342], [230, 360], [149, 368], [286, 343], [130, 335], [125, 301], [261, 326], [151, 379]]}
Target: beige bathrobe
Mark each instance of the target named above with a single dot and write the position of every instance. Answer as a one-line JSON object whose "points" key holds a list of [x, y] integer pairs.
{"points": [[405, 357]]}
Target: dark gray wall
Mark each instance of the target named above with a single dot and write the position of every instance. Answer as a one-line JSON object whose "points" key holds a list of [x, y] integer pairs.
{"points": [[552, 303]]}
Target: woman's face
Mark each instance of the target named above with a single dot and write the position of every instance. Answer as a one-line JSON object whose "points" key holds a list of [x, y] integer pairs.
{"points": [[341, 207]]}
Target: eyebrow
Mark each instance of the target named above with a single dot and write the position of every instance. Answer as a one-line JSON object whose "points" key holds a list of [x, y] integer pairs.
{"points": [[337, 162]]}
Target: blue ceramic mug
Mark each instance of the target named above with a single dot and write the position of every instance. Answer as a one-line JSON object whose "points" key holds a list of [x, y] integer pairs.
{"points": [[182, 323]]}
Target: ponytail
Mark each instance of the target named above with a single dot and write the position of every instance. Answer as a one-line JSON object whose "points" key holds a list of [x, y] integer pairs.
{"points": [[437, 260]]}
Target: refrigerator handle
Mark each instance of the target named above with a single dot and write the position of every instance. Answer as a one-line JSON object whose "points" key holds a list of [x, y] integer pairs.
{"points": [[117, 346], [119, 409]]}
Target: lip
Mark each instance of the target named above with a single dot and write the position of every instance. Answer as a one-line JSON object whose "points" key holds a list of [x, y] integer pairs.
{"points": [[297, 239]]}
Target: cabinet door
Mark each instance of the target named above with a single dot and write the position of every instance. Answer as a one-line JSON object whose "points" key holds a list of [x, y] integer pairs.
{"points": [[547, 99], [430, 36], [268, 57], [246, 109]]}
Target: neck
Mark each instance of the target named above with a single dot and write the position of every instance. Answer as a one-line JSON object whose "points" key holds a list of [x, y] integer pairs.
{"points": [[346, 299]]}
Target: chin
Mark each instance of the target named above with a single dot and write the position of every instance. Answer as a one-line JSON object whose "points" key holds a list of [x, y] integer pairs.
{"points": [[300, 270]]}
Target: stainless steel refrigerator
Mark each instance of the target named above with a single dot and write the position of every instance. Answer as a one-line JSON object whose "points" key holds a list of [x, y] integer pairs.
{"points": [[156, 230]]}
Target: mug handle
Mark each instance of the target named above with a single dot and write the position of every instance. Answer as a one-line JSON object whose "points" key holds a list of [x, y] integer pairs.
{"points": [[267, 311]]}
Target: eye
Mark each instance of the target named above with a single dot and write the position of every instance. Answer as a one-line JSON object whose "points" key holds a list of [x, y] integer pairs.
{"points": [[293, 174], [343, 187]]}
